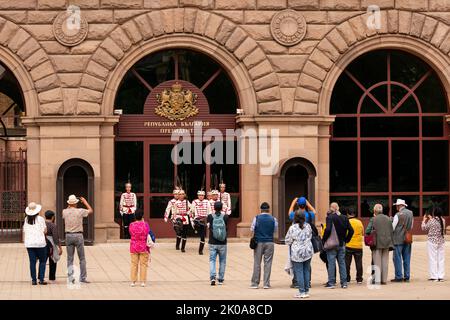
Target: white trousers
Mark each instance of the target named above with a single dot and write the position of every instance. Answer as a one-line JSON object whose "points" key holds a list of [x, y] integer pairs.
{"points": [[436, 260]]}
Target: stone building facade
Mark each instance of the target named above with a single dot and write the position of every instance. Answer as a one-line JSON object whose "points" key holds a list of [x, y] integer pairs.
{"points": [[69, 90]]}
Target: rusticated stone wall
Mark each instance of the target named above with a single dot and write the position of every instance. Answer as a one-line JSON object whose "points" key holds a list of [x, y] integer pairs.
{"points": [[71, 80], [285, 80]]}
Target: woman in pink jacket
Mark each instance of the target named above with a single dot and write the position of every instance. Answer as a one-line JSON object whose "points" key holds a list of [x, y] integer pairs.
{"points": [[140, 253]]}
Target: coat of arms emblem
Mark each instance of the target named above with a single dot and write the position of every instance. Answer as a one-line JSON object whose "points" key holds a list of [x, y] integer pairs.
{"points": [[176, 103]]}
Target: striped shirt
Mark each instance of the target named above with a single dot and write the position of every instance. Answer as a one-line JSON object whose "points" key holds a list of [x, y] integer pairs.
{"points": [[183, 210]]}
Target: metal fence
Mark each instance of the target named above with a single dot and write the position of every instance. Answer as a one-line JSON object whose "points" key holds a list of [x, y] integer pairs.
{"points": [[13, 194]]}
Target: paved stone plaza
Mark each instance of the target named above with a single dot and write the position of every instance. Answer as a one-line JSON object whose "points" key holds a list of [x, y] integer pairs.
{"points": [[173, 275]]}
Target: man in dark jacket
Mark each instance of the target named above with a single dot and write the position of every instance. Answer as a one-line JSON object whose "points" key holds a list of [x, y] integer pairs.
{"points": [[344, 233]]}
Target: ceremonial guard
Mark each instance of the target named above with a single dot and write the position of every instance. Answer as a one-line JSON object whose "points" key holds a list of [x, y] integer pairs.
{"points": [[170, 213], [214, 199], [200, 209], [127, 208], [182, 216], [225, 198]]}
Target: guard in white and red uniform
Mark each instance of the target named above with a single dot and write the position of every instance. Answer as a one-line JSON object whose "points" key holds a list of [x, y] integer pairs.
{"points": [[200, 209], [183, 214], [225, 198], [170, 214], [127, 208], [214, 199]]}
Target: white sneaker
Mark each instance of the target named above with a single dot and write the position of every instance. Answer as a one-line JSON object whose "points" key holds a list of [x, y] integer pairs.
{"points": [[306, 295], [133, 284], [298, 295], [254, 287], [143, 284], [266, 287]]}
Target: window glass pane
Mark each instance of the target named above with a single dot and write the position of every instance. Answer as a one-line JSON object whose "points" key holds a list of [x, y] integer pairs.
{"points": [[407, 106], [405, 166], [161, 168], [374, 166], [235, 205], [131, 95], [411, 201], [346, 95], [367, 204], [129, 165], [350, 203], [343, 166], [389, 127], [435, 165], [158, 206], [195, 67], [221, 95], [406, 68], [344, 127], [157, 68], [370, 68], [228, 170], [368, 105], [439, 201], [432, 126], [431, 95]]}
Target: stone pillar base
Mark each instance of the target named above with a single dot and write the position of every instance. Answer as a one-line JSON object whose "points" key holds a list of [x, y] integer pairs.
{"points": [[106, 231], [243, 230]]}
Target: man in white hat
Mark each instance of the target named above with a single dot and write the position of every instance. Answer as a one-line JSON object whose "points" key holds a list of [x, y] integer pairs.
{"points": [[183, 213], [200, 209], [73, 224], [402, 223], [225, 198], [127, 208]]}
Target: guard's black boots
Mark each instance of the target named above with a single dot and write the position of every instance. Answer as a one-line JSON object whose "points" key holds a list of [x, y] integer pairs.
{"points": [[200, 249], [178, 243], [183, 245]]}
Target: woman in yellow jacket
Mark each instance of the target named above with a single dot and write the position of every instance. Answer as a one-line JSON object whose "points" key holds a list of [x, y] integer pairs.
{"points": [[354, 248]]}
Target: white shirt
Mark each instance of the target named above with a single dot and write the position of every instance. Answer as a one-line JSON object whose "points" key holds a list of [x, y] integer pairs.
{"points": [[34, 234]]}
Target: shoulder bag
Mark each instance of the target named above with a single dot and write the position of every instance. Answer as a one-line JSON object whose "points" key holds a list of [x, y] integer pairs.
{"points": [[332, 241], [370, 240], [253, 242]]}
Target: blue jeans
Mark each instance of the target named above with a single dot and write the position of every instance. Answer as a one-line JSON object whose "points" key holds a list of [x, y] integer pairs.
{"points": [[402, 252], [35, 254], [332, 255], [214, 250], [302, 271]]}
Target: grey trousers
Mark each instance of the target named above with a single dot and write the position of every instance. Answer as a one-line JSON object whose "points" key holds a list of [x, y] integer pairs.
{"points": [[75, 240], [265, 249], [381, 263]]}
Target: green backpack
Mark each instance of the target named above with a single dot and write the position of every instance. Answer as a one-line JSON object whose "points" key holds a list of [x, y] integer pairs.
{"points": [[219, 229]]}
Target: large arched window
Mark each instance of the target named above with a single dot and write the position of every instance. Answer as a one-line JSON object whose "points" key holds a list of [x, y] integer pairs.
{"points": [[390, 137], [178, 64]]}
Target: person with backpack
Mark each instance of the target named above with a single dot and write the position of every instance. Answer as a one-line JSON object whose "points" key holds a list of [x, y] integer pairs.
{"points": [[263, 227], [338, 232], [217, 223]]}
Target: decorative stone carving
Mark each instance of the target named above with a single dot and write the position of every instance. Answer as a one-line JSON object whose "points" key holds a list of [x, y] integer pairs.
{"points": [[288, 27], [70, 28]]}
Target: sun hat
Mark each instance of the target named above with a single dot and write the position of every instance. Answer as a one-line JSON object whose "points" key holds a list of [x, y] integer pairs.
{"points": [[33, 209], [72, 199], [400, 202]]}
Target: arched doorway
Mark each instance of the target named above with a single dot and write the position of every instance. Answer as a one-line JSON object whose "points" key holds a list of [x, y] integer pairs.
{"points": [[75, 176], [296, 178], [390, 138], [153, 97]]}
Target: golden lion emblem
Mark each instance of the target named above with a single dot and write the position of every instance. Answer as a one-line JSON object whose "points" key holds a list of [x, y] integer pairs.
{"points": [[176, 103]]}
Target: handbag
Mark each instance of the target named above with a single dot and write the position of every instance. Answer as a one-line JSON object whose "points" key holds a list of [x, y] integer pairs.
{"points": [[370, 240], [332, 241], [253, 242], [317, 243]]}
